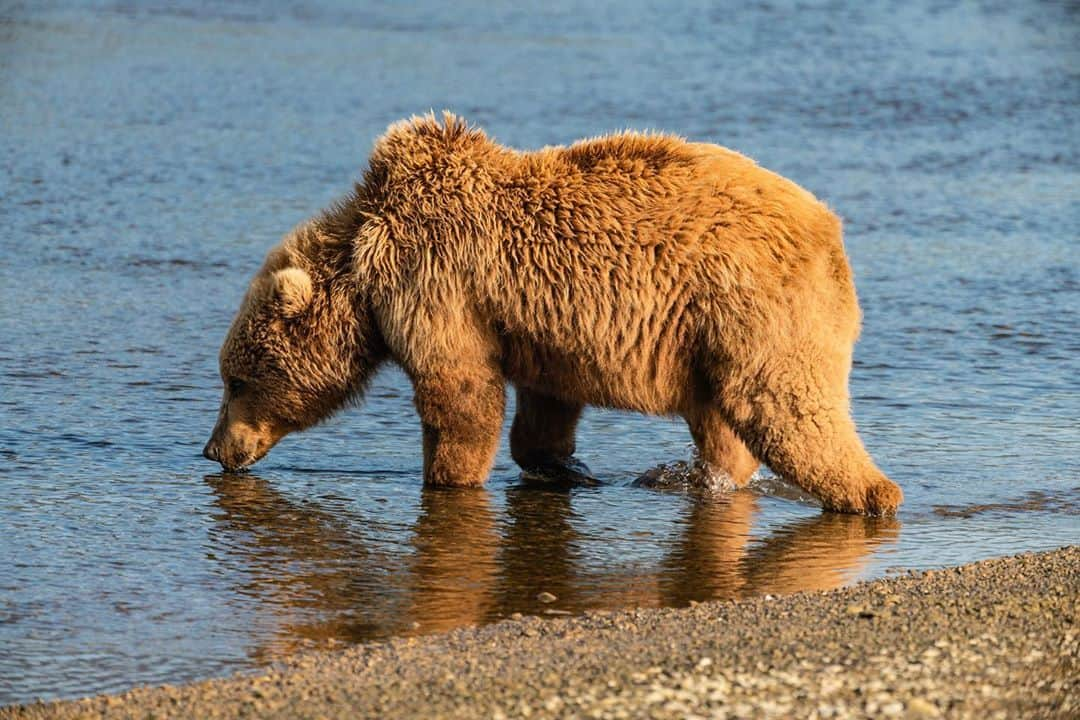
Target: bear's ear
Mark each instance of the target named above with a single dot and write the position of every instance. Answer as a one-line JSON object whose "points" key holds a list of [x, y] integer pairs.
{"points": [[293, 290]]}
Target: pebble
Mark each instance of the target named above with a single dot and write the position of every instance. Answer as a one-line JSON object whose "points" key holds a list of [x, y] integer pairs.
{"points": [[892, 709], [918, 709]]}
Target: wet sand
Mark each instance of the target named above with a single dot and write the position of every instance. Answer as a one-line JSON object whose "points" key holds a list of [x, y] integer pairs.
{"points": [[995, 639]]}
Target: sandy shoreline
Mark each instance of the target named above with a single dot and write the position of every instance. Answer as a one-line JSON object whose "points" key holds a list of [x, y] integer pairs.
{"points": [[993, 639]]}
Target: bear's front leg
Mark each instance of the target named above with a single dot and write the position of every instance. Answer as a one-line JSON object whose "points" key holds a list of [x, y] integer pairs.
{"points": [[542, 438], [461, 410]]}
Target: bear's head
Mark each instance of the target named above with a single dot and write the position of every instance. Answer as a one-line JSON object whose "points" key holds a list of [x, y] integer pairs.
{"points": [[300, 348]]}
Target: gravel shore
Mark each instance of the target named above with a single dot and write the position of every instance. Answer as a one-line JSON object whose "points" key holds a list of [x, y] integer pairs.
{"points": [[995, 639]]}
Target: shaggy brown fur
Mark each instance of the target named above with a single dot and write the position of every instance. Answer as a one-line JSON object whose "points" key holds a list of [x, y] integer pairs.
{"points": [[631, 271]]}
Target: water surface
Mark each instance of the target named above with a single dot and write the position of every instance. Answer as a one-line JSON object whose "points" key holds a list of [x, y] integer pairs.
{"points": [[151, 152]]}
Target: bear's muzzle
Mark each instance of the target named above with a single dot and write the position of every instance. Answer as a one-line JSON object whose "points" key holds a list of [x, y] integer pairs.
{"points": [[211, 451], [237, 445]]}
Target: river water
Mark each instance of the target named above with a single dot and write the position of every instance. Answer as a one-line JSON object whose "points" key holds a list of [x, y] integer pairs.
{"points": [[151, 152]]}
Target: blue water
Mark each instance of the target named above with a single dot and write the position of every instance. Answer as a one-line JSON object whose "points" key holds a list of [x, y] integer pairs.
{"points": [[151, 152]]}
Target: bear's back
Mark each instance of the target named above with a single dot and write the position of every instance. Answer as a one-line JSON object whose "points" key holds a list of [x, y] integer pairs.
{"points": [[630, 189]]}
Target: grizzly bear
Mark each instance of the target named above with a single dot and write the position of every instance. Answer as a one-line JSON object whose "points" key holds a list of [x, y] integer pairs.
{"points": [[633, 271]]}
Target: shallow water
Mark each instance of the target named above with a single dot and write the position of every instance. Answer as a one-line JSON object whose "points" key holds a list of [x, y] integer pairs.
{"points": [[151, 152]]}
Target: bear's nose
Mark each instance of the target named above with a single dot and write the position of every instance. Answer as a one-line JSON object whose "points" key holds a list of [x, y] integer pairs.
{"points": [[210, 452]]}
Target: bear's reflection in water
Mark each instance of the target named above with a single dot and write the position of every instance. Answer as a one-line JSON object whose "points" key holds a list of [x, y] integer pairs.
{"points": [[318, 576]]}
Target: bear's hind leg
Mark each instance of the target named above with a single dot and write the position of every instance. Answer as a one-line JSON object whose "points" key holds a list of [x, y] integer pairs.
{"points": [[461, 412], [542, 437], [718, 445], [793, 414]]}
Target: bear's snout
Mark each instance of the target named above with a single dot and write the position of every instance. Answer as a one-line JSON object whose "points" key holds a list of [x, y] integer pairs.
{"points": [[214, 451], [231, 459], [211, 451], [236, 445]]}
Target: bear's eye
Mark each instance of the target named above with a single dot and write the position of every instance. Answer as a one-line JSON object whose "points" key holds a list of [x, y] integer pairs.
{"points": [[236, 386]]}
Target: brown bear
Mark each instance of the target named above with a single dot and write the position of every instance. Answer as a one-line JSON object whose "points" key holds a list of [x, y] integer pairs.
{"points": [[633, 271]]}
